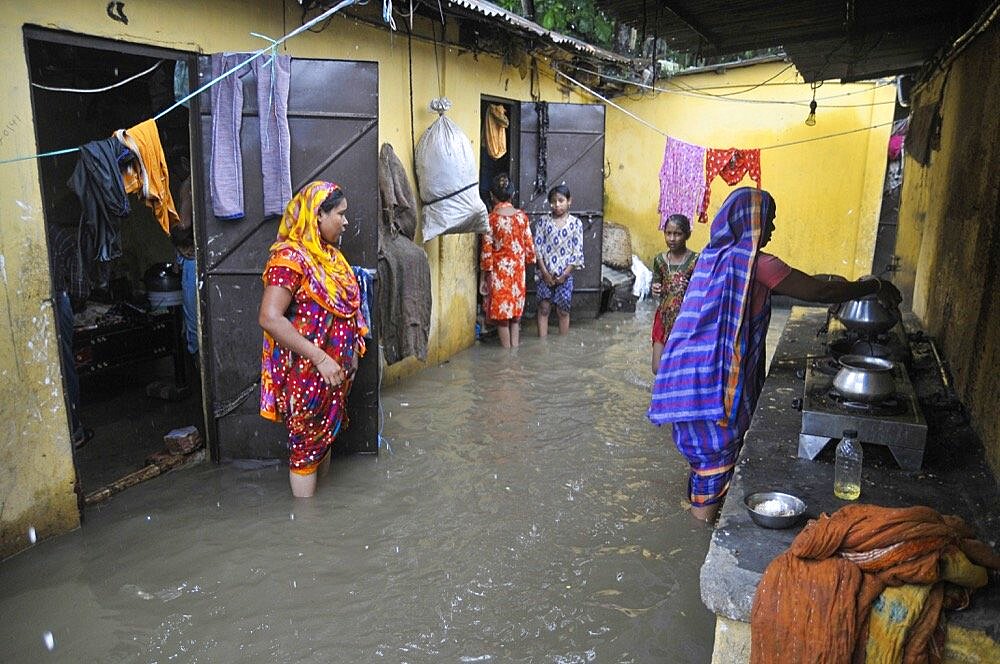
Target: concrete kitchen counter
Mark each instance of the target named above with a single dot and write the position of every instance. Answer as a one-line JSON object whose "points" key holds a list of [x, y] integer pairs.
{"points": [[954, 479]]}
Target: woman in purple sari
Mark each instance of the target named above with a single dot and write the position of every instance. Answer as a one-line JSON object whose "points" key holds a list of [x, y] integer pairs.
{"points": [[712, 369]]}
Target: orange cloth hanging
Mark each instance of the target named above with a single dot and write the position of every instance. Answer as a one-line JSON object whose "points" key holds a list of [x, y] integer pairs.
{"points": [[496, 131], [150, 173]]}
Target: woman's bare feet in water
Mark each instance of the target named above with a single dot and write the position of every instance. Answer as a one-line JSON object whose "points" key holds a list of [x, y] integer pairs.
{"points": [[706, 513]]}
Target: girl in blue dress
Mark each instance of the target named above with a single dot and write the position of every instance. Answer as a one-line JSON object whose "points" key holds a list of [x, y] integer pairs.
{"points": [[558, 252]]}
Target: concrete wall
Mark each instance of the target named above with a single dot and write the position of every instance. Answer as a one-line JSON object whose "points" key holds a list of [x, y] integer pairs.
{"points": [[36, 468], [828, 192], [949, 232]]}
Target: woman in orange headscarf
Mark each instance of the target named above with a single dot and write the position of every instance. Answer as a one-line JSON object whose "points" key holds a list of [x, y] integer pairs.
{"points": [[313, 330]]}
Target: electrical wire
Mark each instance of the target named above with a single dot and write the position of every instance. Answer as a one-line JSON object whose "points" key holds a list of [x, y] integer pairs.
{"points": [[941, 61], [821, 138], [663, 133], [754, 87], [693, 93], [746, 101], [96, 90]]}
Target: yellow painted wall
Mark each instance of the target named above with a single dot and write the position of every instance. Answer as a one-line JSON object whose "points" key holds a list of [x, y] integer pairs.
{"points": [[949, 232], [36, 470], [828, 192]]}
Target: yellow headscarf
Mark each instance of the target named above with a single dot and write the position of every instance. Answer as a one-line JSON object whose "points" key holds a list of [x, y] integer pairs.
{"points": [[329, 279]]}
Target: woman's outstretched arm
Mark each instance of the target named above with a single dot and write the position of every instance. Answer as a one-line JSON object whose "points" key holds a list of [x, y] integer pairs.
{"points": [[801, 286]]}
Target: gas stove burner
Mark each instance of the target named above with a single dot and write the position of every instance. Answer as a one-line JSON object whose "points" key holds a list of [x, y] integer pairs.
{"points": [[828, 366], [894, 405], [896, 423], [855, 346]]}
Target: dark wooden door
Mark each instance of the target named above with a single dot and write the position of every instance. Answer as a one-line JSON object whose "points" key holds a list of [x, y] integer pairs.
{"points": [[333, 121], [574, 155]]}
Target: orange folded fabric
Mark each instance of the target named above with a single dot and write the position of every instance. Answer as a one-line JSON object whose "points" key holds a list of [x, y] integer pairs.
{"points": [[814, 600], [152, 178]]}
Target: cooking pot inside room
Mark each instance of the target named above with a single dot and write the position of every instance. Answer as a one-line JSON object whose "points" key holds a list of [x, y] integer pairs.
{"points": [[161, 278], [163, 286]]}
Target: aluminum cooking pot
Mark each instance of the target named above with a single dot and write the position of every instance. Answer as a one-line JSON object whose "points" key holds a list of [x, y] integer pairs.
{"points": [[161, 278], [863, 378], [867, 316]]}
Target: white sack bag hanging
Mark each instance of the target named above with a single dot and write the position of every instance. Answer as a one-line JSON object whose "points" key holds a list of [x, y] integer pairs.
{"points": [[448, 179]]}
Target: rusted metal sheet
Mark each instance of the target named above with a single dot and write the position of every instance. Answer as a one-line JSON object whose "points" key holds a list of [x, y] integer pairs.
{"points": [[334, 137], [574, 156]]}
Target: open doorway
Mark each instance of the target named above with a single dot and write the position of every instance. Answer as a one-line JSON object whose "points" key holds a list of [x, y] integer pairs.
{"points": [[548, 144], [128, 340], [498, 154]]}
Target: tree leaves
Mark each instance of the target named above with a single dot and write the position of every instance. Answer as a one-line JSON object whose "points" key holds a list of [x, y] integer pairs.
{"points": [[581, 18]]}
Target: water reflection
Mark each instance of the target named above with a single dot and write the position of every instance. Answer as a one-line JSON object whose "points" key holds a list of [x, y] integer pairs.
{"points": [[529, 513]]}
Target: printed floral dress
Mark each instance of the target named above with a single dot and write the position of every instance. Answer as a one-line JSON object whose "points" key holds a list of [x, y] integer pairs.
{"points": [[674, 282], [292, 389], [506, 249]]}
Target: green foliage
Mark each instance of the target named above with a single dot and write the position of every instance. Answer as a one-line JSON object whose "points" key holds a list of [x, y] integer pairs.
{"points": [[510, 5], [577, 17]]}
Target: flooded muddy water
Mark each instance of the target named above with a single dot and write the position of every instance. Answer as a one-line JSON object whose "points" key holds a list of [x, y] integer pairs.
{"points": [[527, 512]]}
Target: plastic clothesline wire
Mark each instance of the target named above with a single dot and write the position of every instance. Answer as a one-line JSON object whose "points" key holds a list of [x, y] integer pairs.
{"points": [[267, 49], [693, 93], [665, 134], [96, 90]]}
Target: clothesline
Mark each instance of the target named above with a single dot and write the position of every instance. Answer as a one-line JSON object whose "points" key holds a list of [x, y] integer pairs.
{"points": [[96, 90], [267, 49], [666, 135]]}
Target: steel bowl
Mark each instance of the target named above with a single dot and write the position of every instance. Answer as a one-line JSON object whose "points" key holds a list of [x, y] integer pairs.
{"points": [[866, 379], [867, 316], [793, 508]]}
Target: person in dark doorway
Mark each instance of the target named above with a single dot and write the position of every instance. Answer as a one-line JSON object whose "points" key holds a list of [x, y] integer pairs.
{"points": [[71, 287], [712, 369], [672, 271], [182, 237], [505, 251], [313, 330], [559, 246]]}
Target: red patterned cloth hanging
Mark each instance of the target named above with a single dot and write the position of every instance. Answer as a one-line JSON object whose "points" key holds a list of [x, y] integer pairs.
{"points": [[731, 164]]}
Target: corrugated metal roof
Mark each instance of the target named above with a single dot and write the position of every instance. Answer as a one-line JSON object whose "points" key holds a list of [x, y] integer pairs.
{"points": [[826, 39], [530, 28]]}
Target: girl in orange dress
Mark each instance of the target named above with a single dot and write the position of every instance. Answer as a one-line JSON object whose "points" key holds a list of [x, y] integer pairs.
{"points": [[506, 249]]}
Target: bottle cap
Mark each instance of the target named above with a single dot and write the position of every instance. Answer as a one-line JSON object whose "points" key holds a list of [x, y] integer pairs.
{"points": [[850, 433]]}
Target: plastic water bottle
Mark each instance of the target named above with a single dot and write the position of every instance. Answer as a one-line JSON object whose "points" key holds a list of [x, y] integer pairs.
{"points": [[847, 475]]}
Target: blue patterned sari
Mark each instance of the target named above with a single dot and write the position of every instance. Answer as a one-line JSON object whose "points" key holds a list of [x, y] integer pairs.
{"points": [[712, 368]]}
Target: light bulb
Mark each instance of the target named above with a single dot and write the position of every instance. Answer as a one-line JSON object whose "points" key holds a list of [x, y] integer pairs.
{"points": [[811, 118]]}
